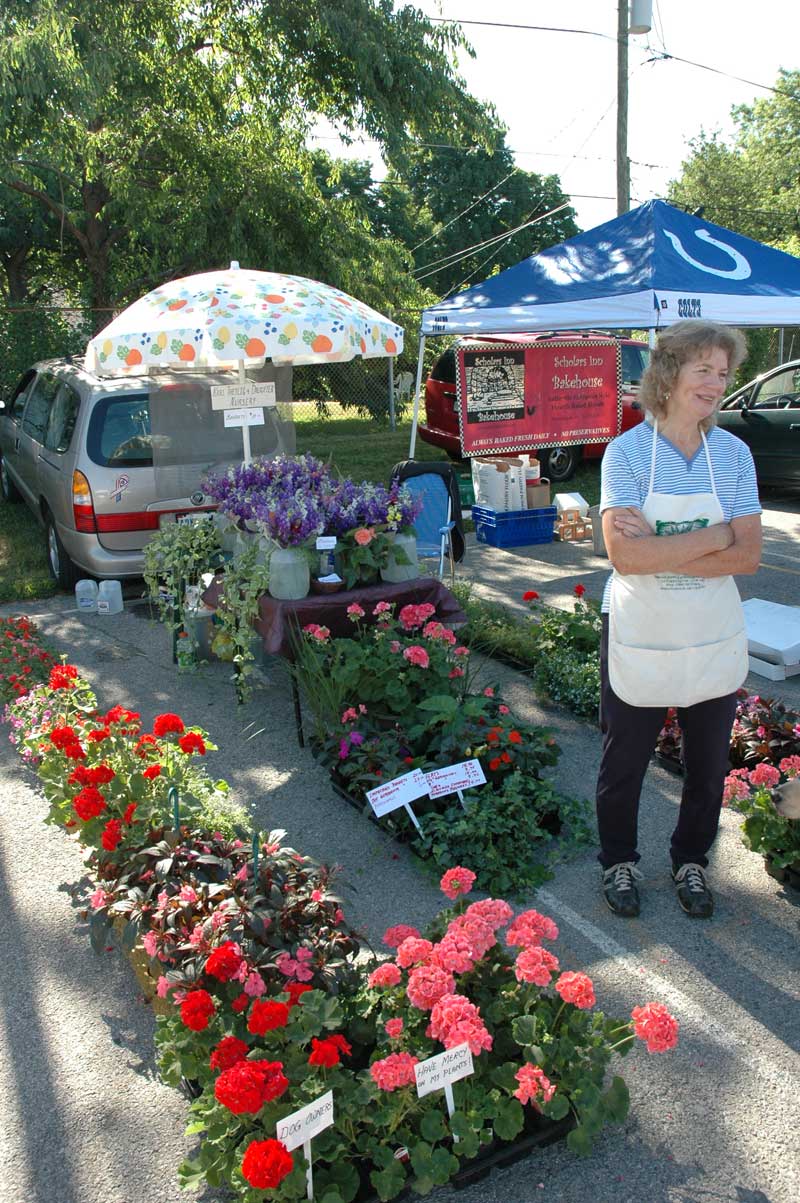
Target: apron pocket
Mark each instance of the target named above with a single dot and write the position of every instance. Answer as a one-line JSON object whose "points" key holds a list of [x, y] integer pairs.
{"points": [[644, 676]]}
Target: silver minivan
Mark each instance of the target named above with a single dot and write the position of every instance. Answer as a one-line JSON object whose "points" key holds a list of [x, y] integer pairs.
{"points": [[103, 463]]}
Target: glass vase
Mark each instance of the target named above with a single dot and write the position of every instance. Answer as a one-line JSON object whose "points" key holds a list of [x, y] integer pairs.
{"points": [[289, 575], [395, 571]]}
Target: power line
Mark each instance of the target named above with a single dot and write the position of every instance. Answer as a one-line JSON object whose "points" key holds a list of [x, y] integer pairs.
{"points": [[441, 230], [457, 256]]}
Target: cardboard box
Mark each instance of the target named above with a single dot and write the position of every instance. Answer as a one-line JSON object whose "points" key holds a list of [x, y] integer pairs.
{"points": [[538, 494], [571, 501]]}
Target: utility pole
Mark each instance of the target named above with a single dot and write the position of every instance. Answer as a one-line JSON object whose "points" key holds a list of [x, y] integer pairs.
{"points": [[623, 165], [639, 23]]}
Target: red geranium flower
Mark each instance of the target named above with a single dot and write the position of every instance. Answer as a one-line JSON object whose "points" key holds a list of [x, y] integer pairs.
{"points": [[118, 714], [62, 737], [294, 990], [267, 1015], [89, 803], [328, 1052], [579, 590], [266, 1163], [152, 771], [112, 834], [129, 812], [225, 961], [197, 1009], [530, 595], [98, 734], [240, 1003], [63, 676], [74, 751], [228, 1052], [163, 724], [514, 737], [191, 742], [495, 763], [248, 1085]]}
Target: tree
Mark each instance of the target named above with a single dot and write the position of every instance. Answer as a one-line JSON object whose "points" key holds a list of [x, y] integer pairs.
{"points": [[159, 136]]}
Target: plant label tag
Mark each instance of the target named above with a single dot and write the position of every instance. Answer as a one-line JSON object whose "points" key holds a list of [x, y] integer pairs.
{"points": [[244, 417], [455, 777], [326, 542], [299, 1127], [443, 1069], [394, 794], [243, 396]]}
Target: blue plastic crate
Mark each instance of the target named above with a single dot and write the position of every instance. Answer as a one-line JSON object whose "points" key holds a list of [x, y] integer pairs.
{"points": [[516, 528]]}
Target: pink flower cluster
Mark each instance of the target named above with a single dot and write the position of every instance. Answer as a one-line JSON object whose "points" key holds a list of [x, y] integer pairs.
{"points": [[736, 787], [435, 630], [393, 937], [385, 975], [765, 774], [457, 881], [790, 765], [317, 632], [427, 984], [414, 951], [535, 964], [531, 928], [296, 968], [393, 1071], [355, 611], [393, 1028], [350, 715], [576, 988], [455, 1020], [417, 655], [494, 912], [654, 1024], [533, 1085], [411, 617], [476, 930]]}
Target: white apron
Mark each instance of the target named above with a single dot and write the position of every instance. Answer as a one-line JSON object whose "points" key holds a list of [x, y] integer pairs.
{"points": [[676, 640]]}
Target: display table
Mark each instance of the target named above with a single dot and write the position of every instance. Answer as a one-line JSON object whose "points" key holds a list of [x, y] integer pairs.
{"points": [[280, 622]]}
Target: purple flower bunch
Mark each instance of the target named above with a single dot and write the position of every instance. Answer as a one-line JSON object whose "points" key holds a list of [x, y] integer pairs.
{"points": [[292, 499]]}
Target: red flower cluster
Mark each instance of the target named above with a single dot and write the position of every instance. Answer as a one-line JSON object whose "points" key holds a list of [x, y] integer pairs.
{"points": [[266, 1163], [457, 881], [248, 1085], [89, 803], [328, 1052], [294, 990], [152, 771], [225, 961], [197, 1009], [228, 1052], [101, 774], [165, 724], [118, 714], [112, 834], [191, 742], [63, 676], [530, 595], [266, 1016]]}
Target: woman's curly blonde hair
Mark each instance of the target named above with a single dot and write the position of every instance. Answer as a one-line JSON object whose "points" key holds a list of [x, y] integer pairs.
{"points": [[678, 345]]}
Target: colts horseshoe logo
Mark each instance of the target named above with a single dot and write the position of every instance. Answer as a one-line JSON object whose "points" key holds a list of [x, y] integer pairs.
{"points": [[740, 271]]}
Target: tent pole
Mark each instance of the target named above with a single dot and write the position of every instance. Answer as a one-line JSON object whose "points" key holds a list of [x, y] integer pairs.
{"points": [[415, 418]]}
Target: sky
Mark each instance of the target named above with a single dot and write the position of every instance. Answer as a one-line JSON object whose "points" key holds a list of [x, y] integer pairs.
{"points": [[556, 92]]}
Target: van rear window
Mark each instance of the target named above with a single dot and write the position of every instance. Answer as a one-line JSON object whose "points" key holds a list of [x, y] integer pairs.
{"points": [[119, 432]]}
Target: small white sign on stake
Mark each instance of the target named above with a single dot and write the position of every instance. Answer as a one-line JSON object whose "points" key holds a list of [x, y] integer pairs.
{"points": [[301, 1126], [243, 396], [244, 417], [400, 792], [326, 542], [454, 778], [441, 1071]]}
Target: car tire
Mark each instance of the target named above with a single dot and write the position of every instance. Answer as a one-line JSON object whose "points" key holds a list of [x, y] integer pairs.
{"points": [[8, 489], [559, 463], [62, 569]]}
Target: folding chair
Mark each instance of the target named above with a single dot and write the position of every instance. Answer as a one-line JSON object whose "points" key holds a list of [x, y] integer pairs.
{"points": [[439, 527]]}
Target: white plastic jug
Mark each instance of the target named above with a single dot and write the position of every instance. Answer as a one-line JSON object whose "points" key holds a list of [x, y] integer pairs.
{"points": [[109, 598], [86, 596]]}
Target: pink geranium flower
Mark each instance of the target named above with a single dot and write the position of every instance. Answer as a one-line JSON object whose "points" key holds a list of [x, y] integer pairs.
{"points": [[533, 1085], [394, 936], [393, 1028], [654, 1024], [385, 975], [457, 881], [355, 611], [364, 536], [765, 774], [576, 988], [393, 1071], [413, 951], [427, 984], [417, 655], [531, 928], [536, 964]]}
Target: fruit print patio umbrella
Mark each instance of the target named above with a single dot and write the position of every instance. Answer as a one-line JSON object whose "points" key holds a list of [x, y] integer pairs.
{"points": [[238, 318]]}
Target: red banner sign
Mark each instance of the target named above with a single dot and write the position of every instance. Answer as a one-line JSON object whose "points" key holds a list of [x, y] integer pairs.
{"points": [[514, 397]]}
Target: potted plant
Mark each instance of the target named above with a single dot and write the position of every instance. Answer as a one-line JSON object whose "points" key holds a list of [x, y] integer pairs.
{"points": [[769, 798], [175, 559]]}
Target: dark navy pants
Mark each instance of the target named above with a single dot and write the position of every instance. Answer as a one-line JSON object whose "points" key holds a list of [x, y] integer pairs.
{"points": [[629, 738]]}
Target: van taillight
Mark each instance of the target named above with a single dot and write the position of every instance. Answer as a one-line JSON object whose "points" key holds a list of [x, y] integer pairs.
{"points": [[82, 504]]}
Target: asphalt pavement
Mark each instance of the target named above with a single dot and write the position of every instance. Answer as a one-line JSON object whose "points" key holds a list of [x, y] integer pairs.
{"points": [[716, 1121]]}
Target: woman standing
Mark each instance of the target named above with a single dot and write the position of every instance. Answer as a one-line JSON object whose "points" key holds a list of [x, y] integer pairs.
{"points": [[680, 515]]}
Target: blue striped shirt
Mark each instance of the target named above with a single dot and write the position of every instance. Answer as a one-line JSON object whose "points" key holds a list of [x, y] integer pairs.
{"points": [[625, 473]]}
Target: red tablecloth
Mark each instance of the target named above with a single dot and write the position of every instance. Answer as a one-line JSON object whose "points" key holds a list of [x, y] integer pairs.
{"points": [[277, 619]]}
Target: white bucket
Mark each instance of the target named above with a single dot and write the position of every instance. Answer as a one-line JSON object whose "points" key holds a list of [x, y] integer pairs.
{"points": [[109, 598], [86, 596]]}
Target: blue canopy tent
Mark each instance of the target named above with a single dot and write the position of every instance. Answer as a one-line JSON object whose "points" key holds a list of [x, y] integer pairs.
{"points": [[648, 268]]}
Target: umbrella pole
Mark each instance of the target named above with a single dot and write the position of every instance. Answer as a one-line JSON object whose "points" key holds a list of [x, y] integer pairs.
{"points": [[245, 428]]}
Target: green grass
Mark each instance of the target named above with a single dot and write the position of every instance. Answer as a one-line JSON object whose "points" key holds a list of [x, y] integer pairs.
{"points": [[24, 574]]}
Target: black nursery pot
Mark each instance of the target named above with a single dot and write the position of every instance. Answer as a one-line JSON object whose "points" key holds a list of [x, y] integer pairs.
{"points": [[788, 875]]}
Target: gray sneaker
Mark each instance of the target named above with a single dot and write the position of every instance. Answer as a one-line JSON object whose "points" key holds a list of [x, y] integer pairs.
{"points": [[693, 892], [620, 889]]}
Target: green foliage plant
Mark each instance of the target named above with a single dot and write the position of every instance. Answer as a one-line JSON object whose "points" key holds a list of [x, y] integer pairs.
{"points": [[244, 581], [177, 556]]}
